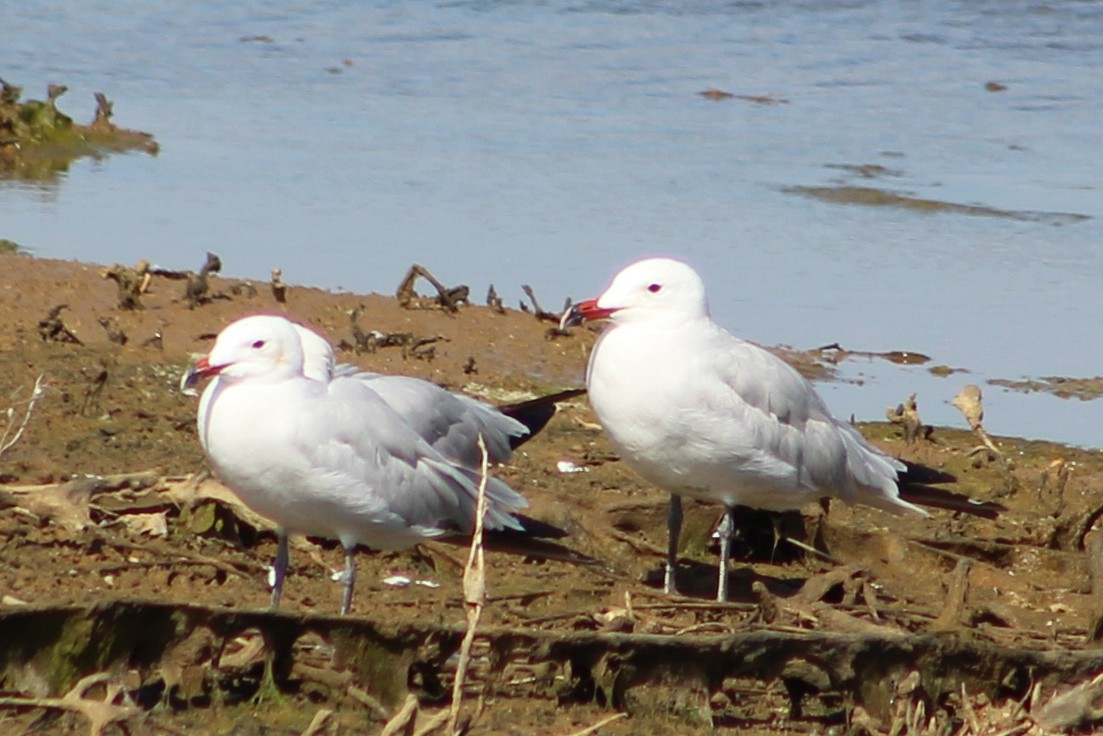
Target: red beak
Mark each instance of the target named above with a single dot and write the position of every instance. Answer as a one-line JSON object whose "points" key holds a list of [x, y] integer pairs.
{"points": [[200, 370], [589, 310], [204, 368]]}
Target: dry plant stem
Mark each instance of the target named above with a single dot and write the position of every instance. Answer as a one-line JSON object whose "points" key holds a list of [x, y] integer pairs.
{"points": [[402, 721], [320, 724], [14, 431], [988, 441], [970, 713], [474, 591], [599, 725], [433, 724], [811, 550], [366, 698]]}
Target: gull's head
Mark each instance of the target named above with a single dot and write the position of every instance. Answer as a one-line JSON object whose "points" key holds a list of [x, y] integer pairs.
{"points": [[654, 289], [260, 347]]}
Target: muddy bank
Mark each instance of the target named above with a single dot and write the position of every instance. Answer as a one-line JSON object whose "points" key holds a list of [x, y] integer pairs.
{"points": [[126, 564]]}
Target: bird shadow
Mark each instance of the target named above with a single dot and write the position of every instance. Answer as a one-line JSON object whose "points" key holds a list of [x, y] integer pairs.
{"points": [[699, 580], [756, 539]]}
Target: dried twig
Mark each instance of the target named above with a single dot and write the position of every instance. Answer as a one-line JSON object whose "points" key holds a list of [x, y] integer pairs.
{"points": [[116, 336], [599, 725], [367, 699], [321, 724], [279, 288], [811, 550], [1076, 708], [105, 108], [52, 329], [969, 402], [433, 723], [969, 711], [537, 310], [14, 428], [474, 591], [195, 293], [907, 416], [494, 301], [131, 282], [100, 713], [447, 298], [403, 720]]}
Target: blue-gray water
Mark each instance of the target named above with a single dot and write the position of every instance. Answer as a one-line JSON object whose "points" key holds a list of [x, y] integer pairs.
{"points": [[550, 143]]}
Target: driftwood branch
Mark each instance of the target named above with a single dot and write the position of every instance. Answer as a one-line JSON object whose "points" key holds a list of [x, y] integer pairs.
{"points": [[447, 298], [15, 426]]}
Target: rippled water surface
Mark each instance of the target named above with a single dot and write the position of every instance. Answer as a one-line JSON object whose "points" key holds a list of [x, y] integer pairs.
{"points": [[549, 143]]}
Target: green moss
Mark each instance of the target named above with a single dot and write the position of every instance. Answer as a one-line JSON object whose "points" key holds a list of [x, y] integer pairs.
{"points": [[63, 664], [38, 141], [380, 659], [61, 646]]}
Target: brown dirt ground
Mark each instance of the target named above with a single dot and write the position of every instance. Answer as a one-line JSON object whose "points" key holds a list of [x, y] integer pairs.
{"points": [[120, 559]]}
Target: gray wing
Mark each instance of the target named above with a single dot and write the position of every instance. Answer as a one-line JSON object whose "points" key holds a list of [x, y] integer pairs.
{"points": [[371, 459], [450, 423], [792, 433]]}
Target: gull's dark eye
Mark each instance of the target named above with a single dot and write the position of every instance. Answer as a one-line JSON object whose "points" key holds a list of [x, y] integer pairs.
{"points": [[258, 344], [655, 288]]}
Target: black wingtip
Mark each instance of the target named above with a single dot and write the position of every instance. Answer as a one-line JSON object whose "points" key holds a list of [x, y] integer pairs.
{"points": [[536, 413], [534, 539], [940, 498], [916, 474], [534, 528], [542, 549], [916, 486]]}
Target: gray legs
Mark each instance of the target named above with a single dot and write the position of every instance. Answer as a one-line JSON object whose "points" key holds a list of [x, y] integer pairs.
{"points": [[674, 528], [279, 567], [674, 531], [727, 526], [349, 579]]}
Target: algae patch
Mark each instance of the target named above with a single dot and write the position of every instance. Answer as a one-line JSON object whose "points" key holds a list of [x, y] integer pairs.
{"points": [[873, 196], [1085, 389], [38, 141]]}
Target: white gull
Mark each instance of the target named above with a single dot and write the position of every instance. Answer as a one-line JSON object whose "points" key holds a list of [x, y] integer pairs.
{"points": [[315, 448], [701, 413]]}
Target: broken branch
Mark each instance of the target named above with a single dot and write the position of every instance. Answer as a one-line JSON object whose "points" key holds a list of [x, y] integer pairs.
{"points": [[14, 428]]}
